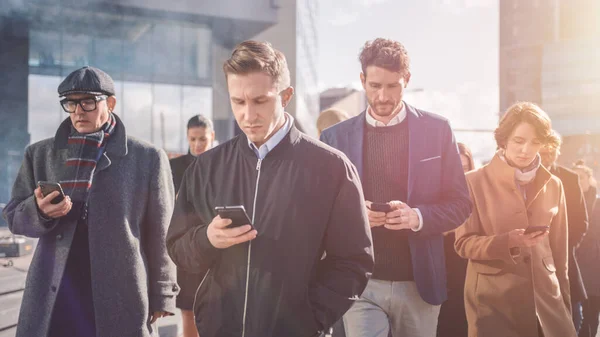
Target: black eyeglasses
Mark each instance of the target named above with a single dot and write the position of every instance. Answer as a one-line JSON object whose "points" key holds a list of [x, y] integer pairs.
{"points": [[86, 104]]}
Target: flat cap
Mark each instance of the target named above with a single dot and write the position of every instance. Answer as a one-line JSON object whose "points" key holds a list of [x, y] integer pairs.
{"points": [[87, 80]]}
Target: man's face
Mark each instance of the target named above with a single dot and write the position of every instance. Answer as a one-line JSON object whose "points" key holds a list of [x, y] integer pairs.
{"points": [[384, 89], [90, 121], [549, 156], [257, 105]]}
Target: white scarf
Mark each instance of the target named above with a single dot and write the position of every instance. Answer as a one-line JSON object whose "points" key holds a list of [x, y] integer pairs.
{"points": [[526, 175]]}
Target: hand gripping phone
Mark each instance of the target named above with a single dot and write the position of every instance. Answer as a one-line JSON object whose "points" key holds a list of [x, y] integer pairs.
{"points": [[237, 215], [49, 187]]}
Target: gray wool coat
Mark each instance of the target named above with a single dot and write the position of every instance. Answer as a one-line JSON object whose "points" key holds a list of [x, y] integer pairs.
{"points": [[129, 209]]}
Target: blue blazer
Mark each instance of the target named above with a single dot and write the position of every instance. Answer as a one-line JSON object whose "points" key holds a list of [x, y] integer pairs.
{"points": [[436, 186]]}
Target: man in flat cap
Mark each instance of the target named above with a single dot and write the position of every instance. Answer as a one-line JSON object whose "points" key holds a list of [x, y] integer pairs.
{"points": [[101, 267]]}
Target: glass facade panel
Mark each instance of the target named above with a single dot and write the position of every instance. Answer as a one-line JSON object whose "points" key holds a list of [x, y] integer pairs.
{"points": [[137, 109], [45, 113], [166, 117]]}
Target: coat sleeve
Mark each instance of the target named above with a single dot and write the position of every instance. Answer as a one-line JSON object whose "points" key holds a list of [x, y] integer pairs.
{"points": [[187, 240], [162, 277], [21, 212], [472, 243], [454, 206], [343, 274], [559, 243]]}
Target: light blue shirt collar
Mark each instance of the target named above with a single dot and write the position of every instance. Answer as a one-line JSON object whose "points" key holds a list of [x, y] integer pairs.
{"points": [[270, 144]]}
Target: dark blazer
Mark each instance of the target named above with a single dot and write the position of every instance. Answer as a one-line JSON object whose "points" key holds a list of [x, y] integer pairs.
{"points": [[436, 186], [577, 218]]}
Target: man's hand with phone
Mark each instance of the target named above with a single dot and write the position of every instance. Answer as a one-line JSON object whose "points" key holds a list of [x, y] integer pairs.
{"points": [[49, 210], [222, 237]]}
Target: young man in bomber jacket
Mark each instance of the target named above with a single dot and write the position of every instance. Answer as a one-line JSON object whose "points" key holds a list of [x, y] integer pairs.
{"points": [[303, 197]]}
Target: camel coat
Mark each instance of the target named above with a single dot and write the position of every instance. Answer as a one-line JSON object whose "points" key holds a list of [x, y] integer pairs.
{"points": [[506, 289]]}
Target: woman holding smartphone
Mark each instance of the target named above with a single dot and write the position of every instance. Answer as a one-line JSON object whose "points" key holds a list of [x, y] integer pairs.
{"points": [[517, 282]]}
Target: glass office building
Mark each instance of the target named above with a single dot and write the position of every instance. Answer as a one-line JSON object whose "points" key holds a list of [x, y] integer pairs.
{"points": [[165, 58]]}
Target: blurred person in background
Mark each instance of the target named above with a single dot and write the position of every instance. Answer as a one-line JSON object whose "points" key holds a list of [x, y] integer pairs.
{"points": [[409, 164], [101, 266], [200, 137], [588, 253], [329, 118], [517, 283], [577, 217], [588, 184], [453, 320]]}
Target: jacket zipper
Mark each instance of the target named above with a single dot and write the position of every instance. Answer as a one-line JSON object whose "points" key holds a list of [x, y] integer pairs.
{"points": [[198, 289], [258, 164]]}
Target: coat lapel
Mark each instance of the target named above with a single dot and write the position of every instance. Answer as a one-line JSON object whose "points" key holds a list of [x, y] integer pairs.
{"points": [[355, 141], [417, 138]]}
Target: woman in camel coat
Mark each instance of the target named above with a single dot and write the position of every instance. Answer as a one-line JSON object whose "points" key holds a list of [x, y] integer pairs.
{"points": [[517, 283]]}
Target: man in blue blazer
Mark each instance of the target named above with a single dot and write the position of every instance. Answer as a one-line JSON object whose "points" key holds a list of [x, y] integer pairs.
{"points": [[415, 189]]}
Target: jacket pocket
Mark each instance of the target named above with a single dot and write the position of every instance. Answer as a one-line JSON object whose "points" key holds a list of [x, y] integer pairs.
{"points": [[490, 268], [549, 264]]}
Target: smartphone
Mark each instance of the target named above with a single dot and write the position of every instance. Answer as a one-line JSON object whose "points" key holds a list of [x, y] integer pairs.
{"points": [[49, 187], [535, 229], [381, 207], [237, 215]]}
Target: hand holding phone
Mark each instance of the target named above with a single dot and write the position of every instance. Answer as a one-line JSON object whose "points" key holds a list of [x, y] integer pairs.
{"points": [[230, 227], [47, 196], [48, 187]]}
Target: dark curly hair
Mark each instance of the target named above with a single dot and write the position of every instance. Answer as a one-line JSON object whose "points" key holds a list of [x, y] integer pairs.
{"points": [[529, 113], [385, 53]]}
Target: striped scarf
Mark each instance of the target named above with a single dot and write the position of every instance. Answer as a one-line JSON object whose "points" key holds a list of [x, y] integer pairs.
{"points": [[84, 151]]}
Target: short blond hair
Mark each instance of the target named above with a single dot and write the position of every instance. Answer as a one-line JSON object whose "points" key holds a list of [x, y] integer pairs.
{"points": [[329, 118], [258, 57]]}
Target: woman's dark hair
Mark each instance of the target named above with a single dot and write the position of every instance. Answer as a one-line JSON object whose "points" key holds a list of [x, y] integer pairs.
{"points": [[200, 121], [465, 151]]}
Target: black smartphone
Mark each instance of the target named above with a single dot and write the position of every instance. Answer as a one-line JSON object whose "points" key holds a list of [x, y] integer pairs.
{"points": [[49, 187], [381, 207], [535, 229], [237, 215]]}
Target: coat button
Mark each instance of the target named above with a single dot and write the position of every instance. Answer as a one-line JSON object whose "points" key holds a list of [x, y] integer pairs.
{"points": [[59, 236], [53, 288], [175, 288], [526, 259]]}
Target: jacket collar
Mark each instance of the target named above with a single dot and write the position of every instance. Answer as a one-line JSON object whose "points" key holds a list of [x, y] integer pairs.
{"points": [[288, 141], [504, 175], [116, 145]]}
